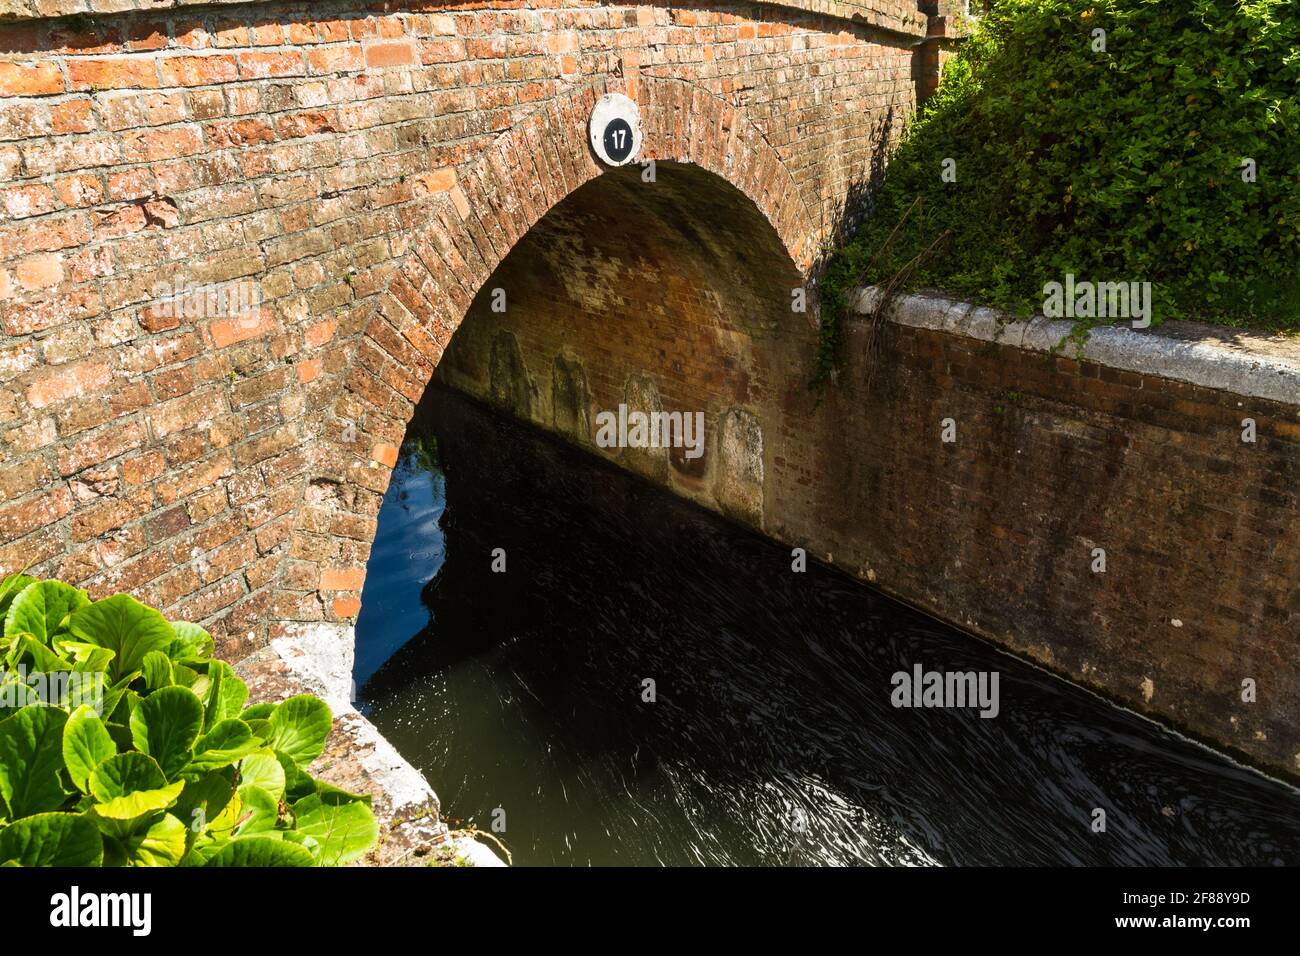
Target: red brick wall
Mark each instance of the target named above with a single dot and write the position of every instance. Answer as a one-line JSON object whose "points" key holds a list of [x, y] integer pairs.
{"points": [[1053, 458], [365, 168]]}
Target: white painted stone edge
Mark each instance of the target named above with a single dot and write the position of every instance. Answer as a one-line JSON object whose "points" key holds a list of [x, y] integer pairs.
{"points": [[1244, 363], [321, 656]]}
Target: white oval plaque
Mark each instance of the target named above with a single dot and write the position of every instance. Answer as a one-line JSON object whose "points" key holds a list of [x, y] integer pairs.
{"points": [[615, 129]]}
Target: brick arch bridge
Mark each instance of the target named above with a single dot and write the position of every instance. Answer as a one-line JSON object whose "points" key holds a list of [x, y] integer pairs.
{"points": [[714, 174], [357, 176]]}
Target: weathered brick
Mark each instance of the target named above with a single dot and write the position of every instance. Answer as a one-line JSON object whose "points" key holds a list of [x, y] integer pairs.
{"points": [[22, 517], [30, 78], [112, 73], [198, 476], [73, 382], [19, 477], [191, 411], [106, 515], [212, 600], [379, 55], [20, 202], [198, 70], [143, 468], [342, 579], [226, 332]]}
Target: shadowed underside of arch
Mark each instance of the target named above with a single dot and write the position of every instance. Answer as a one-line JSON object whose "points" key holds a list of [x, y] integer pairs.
{"points": [[674, 298]]}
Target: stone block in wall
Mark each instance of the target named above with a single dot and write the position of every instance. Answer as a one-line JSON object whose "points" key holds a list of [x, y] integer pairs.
{"points": [[738, 485], [641, 394], [510, 387], [570, 399]]}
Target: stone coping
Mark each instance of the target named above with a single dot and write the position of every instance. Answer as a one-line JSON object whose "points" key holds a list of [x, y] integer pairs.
{"points": [[894, 16], [317, 659], [1253, 364]]}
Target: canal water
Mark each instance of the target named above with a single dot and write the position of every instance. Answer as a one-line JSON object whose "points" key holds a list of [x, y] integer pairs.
{"points": [[771, 737]]}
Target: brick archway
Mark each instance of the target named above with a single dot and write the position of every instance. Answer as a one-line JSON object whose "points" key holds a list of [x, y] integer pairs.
{"points": [[478, 215]]}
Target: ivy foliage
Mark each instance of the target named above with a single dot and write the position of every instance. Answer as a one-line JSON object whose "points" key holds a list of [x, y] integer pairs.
{"points": [[1129, 163], [123, 742]]}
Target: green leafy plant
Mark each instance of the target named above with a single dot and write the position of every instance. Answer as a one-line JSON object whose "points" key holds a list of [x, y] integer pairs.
{"points": [[1116, 140], [123, 742]]}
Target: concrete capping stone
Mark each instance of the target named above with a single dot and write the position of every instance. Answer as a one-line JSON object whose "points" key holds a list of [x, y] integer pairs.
{"points": [[321, 656], [317, 658], [1246, 363]]}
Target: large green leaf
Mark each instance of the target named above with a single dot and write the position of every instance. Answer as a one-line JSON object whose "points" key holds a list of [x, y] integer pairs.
{"points": [[228, 741], [121, 738], [15, 694], [10, 588], [25, 646], [332, 794], [299, 727], [42, 609], [165, 726], [86, 744], [222, 825], [298, 783], [157, 670], [258, 712], [261, 851], [191, 642], [31, 756], [262, 809], [52, 839], [263, 770], [124, 626], [161, 843], [203, 800], [120, 700], [85, 656], [88, 688], [343, 831], [223, 693], [130, 785]]}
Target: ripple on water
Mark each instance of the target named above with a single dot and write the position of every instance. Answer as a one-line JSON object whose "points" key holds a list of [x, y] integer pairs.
{"points": [[772, 739]]}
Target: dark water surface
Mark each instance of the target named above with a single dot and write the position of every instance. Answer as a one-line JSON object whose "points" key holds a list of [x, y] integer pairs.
{"points": [[772, 739]]}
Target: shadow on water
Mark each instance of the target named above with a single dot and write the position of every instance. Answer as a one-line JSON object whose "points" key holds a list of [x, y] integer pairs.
{"points": [[772, 738]]}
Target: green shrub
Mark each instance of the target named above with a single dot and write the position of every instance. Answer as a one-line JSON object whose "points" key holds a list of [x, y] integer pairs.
{"points": [[1116, 165], [124, 743]]}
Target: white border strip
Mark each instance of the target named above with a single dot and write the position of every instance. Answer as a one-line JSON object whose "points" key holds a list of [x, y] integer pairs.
{"points": [[1242, 362]]}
